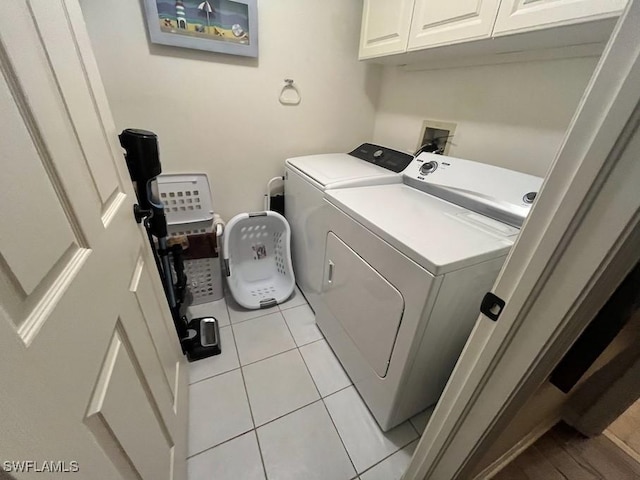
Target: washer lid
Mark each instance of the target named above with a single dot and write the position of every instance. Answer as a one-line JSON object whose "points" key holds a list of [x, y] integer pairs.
{"points": [[436, 234], [333, 169]]}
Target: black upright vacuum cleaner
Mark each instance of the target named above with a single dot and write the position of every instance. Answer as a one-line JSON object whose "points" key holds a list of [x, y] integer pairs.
{"points": [[199, 337]]}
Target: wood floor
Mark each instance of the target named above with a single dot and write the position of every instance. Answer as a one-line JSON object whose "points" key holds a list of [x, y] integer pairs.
{"points": [[564, 454], [625, 431]]}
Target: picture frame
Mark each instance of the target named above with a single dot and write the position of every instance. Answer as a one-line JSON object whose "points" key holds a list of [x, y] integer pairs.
{"points": [[222, 26]]}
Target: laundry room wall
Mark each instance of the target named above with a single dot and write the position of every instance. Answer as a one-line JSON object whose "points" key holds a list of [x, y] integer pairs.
{"points": [[512, 115], [220, 114]]}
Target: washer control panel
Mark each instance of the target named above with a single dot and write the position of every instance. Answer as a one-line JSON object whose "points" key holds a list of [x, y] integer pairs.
{"points": [[383, 157], [496, 192], [428, 167]]}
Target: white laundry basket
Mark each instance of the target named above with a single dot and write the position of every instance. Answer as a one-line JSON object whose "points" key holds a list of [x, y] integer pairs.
{"points": [[257, 256], [188, 207]]}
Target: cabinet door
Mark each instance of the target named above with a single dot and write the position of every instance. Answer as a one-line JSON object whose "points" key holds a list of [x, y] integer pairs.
{"points": [[441, 22], [527, 15], [385, 27]]}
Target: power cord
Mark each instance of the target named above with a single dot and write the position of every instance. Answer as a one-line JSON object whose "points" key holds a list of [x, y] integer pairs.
{"points": [[434, 146]]}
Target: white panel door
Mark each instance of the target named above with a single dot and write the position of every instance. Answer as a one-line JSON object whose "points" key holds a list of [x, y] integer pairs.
{"points": [[528, 15], [93, 376], [385, 27], [443, 22]]}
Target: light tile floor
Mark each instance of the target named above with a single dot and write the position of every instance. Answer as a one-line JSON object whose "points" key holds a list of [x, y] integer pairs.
{"points": [[276, 404]]}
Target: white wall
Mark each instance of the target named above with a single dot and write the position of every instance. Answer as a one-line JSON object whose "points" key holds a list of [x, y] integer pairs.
{"points": [[513, 115], [220, 114]]}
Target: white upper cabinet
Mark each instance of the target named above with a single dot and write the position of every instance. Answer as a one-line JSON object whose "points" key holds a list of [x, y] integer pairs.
{"points": [[437, 22], [527, 15], [385, 27], [406, 31]]}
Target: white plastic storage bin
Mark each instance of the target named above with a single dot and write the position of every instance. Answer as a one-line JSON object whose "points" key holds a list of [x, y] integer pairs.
{"points": [[187, 203], [188, 207], [257, 256]]}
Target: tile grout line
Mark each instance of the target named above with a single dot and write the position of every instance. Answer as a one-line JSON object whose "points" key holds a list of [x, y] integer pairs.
{"points": [[280, 310], [305, 304], [253, 429], [392, 453], [297, 408], [265, 358], [340, 437], [288, 413], [389, 456], [246, 365], [335, 428], [302, 357], [231, 322], [220, 444], [252, 318], [264, 467], [245, 389], [321, 399], [246, 393], [296, 346], [214, 376]]}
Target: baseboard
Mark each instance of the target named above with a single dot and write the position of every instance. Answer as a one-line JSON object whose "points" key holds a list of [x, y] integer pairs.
{"points": [[524, 443], [621, 445]]}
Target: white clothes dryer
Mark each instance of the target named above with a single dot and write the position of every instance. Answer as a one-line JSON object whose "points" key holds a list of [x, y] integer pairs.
{"points": [[406, 266]]}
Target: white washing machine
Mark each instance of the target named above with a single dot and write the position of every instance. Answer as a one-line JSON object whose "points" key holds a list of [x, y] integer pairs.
{"points": [[306, 180], [405, 268]]}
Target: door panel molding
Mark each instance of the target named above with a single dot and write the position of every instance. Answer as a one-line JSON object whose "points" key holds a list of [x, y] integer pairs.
{"points": [[29, 119], [62, 49], [156, 338], [520, 16], [41, 304], [459, 23], [385, 27], [456, 18], [121, 375]]}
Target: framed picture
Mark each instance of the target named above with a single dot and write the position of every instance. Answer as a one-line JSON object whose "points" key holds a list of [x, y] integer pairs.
{"points": [[224, 26]]}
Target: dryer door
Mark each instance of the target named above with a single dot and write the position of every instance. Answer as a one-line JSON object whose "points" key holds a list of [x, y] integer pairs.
{"points": [[367, 306]]}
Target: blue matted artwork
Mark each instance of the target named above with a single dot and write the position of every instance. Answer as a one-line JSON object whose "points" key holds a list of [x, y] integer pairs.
{"points": [[223, 26]]}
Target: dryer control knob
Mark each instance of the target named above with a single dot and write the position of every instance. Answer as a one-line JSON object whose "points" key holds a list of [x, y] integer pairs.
{"points": [[378, 154], [428, 168], [529, 197]]}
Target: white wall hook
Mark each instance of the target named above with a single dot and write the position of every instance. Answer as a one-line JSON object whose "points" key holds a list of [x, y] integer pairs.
{"points": [[289, 95]]}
